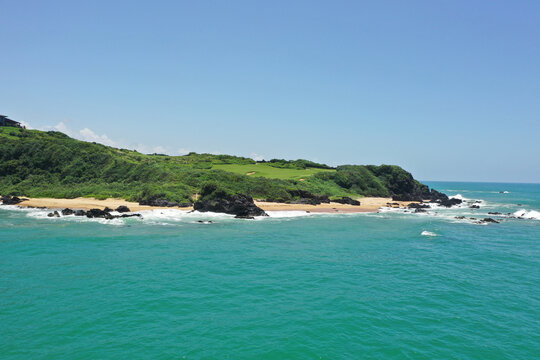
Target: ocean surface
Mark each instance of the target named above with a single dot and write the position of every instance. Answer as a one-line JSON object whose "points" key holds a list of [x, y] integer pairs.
{"points": [[391, 285]]}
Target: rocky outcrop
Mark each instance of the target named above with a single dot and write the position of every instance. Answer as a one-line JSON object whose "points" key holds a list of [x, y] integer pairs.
{"points": [[158, 202], [449, 202], [240, 205], [406, 197], [347, 201], [123, 209], [98, 213], [435, 196], [92, 213], [418, 206], [10, 200], [305, 197], [67, 212], [306, 201], [476, 221], [424, 194], [489, 220]]}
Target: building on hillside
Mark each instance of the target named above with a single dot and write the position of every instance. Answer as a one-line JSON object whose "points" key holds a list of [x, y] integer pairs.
{"points": [[5, 121]]}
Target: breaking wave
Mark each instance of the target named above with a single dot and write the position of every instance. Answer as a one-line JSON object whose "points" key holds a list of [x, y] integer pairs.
{"points": [[530, 215]]}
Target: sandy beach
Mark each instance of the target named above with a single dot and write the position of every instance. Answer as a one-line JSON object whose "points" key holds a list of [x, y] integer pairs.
{"points": [[87, 204], [367, 204]]}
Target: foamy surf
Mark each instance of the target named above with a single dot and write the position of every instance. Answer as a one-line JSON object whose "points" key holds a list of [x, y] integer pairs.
{"points": [[530, 215], [457, 196], [287, 214], [428, 233]]}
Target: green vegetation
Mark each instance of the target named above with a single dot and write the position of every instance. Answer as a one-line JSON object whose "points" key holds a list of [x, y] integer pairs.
{"points": [[269, 171], [295, 164], [51, 164]]}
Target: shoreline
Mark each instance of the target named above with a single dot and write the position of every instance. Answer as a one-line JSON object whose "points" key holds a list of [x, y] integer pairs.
{"points": [[367, 205]]}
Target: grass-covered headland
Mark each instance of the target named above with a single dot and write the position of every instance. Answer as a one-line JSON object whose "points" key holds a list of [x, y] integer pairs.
{"points": [[50, 164]]}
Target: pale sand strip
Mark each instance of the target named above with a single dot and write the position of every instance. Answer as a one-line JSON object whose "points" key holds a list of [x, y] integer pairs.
{"points": [[368, 204], [87, 204]]}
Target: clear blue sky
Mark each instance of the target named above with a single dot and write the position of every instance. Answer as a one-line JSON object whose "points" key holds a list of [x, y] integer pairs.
{"points": [[450, 90]]}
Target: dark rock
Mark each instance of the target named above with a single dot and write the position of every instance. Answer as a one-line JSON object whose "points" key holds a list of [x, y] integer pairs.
{"points": [[305, 197], [474, 207], [306, 201], [419, 210], [418, 206], [244, 217], [449, 202], [490, 220], [122, 209], [435, 195], [185, 204], [347, 201], [67, 211], [406, 197], [127, 215], [300, 193], [98, 213], [459, 217], [107, 209], [80, 213], [10, 200], [102, 214], [494, 213], [152, 201], [53, 214], [425, 194], [239, 205]]}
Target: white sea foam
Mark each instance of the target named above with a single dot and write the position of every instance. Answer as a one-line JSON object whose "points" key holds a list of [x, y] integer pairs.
{"points": [[287, 214], [43, 214], [178, 215], [385, 209], [32, 212], [531, 214], [428, 233], [457, 196]]}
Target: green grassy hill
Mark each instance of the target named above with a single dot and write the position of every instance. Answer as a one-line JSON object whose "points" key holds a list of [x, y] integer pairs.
{"points": [[51, 164], [269, 171]]}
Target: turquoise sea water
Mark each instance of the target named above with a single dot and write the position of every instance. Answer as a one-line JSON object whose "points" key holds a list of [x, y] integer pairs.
{"points": [[309, 287]]}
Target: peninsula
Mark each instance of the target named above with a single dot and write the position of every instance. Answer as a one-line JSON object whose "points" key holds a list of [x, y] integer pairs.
{"points": [[50, 169]]}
